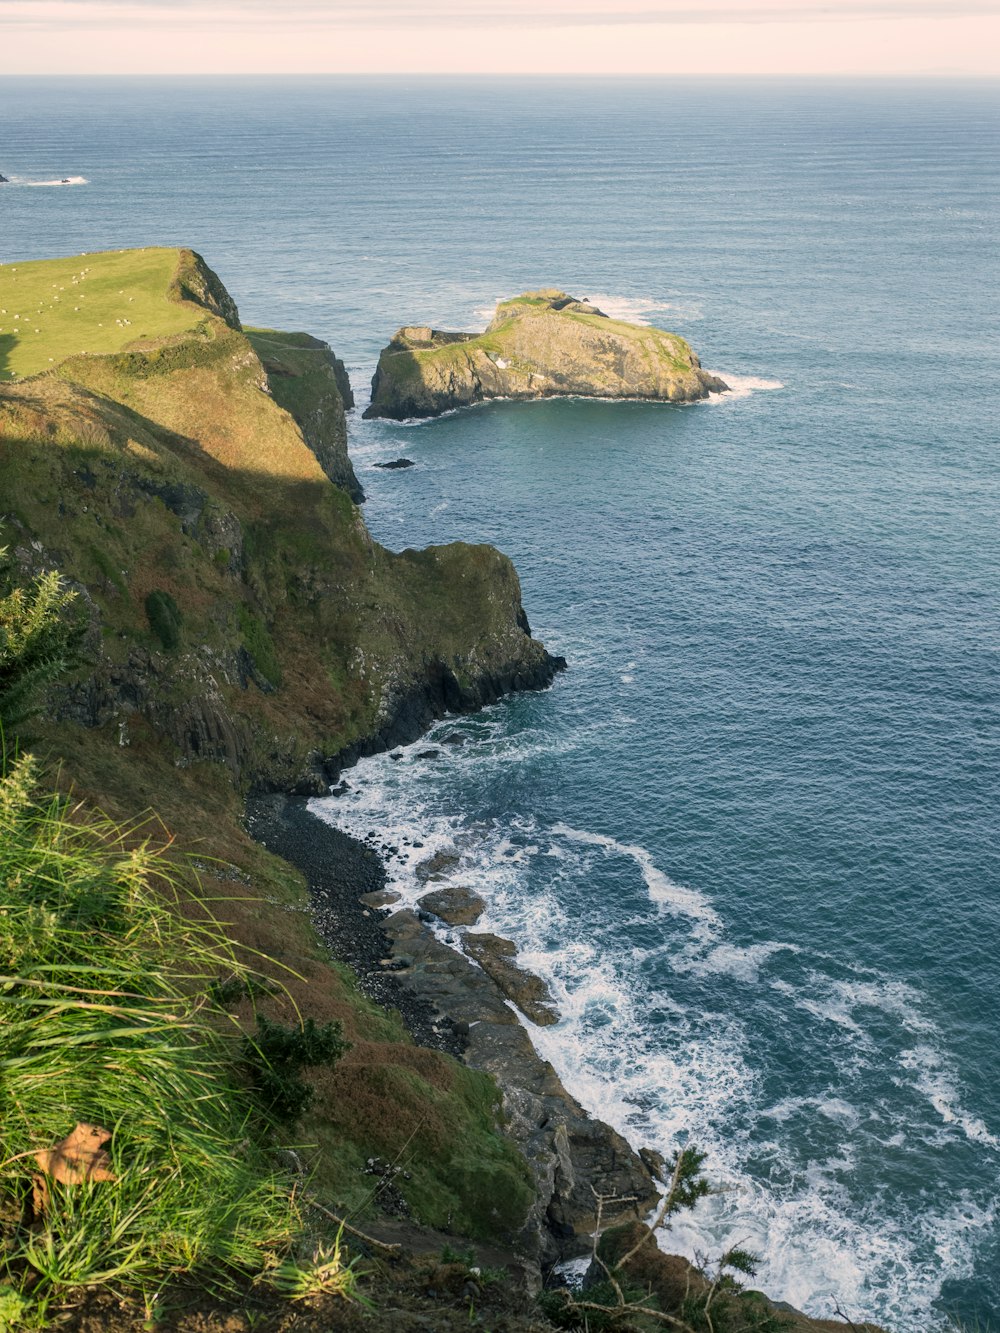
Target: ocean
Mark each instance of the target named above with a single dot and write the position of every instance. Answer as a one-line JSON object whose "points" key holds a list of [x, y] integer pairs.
{"points": [[750, 836]]}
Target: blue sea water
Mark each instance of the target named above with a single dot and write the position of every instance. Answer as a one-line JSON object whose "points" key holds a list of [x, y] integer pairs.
{"points": [[750, 837]]}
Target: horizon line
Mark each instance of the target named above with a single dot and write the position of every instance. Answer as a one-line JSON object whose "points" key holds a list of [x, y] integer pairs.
{"points": [[955, 75]]}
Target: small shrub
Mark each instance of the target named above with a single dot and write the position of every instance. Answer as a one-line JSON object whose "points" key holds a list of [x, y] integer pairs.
{"points": [[275, 1058], [602, 1310], [466, 1256], [164, 618], [327, 1273], [38, 642], [14, 1309]]}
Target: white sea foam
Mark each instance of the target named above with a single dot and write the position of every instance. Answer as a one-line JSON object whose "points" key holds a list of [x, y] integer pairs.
{"points": [[839, 1002], [663, 1072], [741, 386], [646, 309], [663, 891], [832, 1107], [938, 1083], [744, 962], [69, 180]]}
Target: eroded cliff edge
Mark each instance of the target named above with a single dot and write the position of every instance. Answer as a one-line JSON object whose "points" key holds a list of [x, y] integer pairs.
{"points": [[541, 344]]}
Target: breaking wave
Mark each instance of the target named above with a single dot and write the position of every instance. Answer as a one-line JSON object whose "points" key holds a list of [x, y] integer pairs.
{"points": [[659, 1001]]}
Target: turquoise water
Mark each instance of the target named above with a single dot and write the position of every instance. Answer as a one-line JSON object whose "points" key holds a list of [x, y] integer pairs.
{"points": [[750, 836]]}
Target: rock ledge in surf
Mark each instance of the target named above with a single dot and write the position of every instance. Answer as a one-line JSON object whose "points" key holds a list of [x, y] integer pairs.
{"points": [[497, 957]]}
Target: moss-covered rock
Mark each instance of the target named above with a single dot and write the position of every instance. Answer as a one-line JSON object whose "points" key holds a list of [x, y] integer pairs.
{"points": [[542, 344]]}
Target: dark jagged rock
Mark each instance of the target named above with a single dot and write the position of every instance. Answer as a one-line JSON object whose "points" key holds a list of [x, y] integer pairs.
{"points": [[543, 344], [396, 464], [450, 1004], [496, 956], [571, 1155]]}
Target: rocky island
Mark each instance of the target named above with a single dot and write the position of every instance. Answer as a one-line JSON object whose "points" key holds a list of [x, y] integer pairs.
{"points": [[542, 344]]}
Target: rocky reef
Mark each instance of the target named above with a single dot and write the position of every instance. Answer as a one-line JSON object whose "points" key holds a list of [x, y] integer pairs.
{"points": [[542, 344]]}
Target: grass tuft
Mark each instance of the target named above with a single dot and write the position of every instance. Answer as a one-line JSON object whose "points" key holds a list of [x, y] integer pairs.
{"points": [[326, 1273], [106, 1020]]}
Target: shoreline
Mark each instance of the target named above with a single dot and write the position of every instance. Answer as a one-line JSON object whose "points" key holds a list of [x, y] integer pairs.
{"points": [[449, 1003]]}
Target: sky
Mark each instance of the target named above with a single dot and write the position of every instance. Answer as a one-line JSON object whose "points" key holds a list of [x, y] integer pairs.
{"points": [[613, 37]]}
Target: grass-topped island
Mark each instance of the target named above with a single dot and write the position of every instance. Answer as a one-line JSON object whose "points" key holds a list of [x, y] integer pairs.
{"points": [[542, 344]]}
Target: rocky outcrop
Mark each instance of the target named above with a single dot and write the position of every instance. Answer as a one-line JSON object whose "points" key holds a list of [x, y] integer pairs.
{"points": [[498, 959], [197, 283], [454, 905], [571, 1155], [312, 384], [543, 344]]}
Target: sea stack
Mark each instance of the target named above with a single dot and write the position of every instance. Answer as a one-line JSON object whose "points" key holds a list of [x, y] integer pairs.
{"points": [[543, 344]]}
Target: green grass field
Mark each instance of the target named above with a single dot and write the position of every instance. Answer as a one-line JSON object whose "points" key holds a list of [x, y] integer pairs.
{"points": [[54, 308]]}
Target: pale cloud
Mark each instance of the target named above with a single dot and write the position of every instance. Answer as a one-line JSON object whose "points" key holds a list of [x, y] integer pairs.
{"points": [[378, 13], [485, 36]]}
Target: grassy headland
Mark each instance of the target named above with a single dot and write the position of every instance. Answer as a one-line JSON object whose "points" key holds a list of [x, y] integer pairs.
{"points": [[242, 628], [92, 305]]}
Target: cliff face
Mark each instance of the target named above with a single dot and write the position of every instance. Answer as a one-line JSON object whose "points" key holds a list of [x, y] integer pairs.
{"points": [[308, 381], [540, 345], [239, 610]]}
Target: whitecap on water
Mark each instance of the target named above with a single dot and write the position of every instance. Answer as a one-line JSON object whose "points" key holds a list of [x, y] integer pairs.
{"points": [[741, 386], [743, 962], [66, 180], [664, 1072], [675, 898], [937, 1081]]}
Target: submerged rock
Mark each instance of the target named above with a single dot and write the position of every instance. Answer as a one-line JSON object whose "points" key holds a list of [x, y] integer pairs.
{"points": [[542, 344], [437, 866]]}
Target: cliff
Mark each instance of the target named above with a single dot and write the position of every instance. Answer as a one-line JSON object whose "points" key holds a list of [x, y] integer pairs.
{"points": [[181, 478], [245, 634], [542, 344]]}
